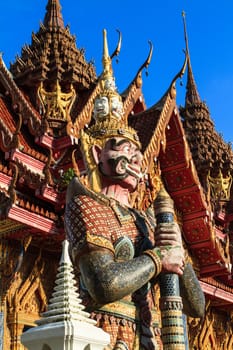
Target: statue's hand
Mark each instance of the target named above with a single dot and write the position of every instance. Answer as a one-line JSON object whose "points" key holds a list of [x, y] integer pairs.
{"points": [[172, 258], [168, 234]]}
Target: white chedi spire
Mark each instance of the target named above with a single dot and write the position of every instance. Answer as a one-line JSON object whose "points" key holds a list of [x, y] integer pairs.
{"points": [[65, 304], [65, 325]]}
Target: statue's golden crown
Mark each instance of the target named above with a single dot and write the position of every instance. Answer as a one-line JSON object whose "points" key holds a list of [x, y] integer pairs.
{"points": [[112, 128], [108, 115]]}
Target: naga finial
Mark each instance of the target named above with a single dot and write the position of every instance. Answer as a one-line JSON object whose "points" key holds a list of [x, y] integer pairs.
{"points": [[118, 48], [147, 61]]}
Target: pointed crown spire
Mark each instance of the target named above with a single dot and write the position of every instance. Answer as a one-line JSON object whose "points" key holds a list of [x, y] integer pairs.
{"points": [[53, 17], [107, 62], [192, 95], [109, 97], [108, 106]]}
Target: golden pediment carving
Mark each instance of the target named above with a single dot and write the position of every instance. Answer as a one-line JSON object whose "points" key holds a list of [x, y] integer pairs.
{"points": [[219, 186], [55, 104]]}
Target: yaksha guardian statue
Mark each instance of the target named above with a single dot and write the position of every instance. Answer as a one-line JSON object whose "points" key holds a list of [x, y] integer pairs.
{"points": [[118, 250]]}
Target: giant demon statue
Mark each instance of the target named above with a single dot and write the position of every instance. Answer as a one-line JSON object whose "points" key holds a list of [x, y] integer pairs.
{"points": [[118, 250]]}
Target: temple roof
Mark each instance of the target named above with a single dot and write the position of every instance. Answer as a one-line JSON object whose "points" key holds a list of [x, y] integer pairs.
{"points": [[53, 55], [210, 152]]}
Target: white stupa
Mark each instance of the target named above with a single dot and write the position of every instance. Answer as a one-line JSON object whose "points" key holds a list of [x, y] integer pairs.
{"points": [[65, 325]]}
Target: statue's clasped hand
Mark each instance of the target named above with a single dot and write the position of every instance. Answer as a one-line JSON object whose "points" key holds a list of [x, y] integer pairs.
{"points": [[172, 258], [169, 247], [167, 234]]}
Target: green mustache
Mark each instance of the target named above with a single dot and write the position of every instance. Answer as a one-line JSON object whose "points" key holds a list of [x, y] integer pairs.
{"points": [[118, 167]]}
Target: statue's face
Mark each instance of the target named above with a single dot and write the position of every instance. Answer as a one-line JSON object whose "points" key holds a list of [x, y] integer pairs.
{"points": [[120, 162], [110, 84], [116, 107], [101, 107]]}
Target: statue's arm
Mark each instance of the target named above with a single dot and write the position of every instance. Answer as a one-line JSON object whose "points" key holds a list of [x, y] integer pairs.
{"points": [[108, 280], [192, 295]]}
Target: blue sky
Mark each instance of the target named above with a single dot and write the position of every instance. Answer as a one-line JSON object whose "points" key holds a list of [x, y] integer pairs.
{"points": [[210, 32]]}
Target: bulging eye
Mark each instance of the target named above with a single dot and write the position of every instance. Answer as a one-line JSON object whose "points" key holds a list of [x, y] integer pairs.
{"points": [[126, 149]]}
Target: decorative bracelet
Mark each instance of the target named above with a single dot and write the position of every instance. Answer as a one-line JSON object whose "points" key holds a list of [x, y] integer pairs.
{"points": [[155, 256]]}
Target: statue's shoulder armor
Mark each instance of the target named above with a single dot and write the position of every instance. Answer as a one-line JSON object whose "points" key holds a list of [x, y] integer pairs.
{"points": [[86, 217], [77, 188]]}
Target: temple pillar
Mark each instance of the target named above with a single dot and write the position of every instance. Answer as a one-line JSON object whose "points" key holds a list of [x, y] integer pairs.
{"points": [[16, 330]]}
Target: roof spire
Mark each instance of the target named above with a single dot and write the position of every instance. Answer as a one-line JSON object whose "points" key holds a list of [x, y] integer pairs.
{"points": [[192, 95], [53, 17]]}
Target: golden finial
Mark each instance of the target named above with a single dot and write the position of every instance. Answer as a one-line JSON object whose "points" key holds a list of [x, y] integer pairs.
{"points": [[107, 62]]}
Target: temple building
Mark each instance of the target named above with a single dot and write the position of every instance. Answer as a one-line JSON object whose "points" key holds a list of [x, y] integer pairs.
{"points": [[46, 99]]}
